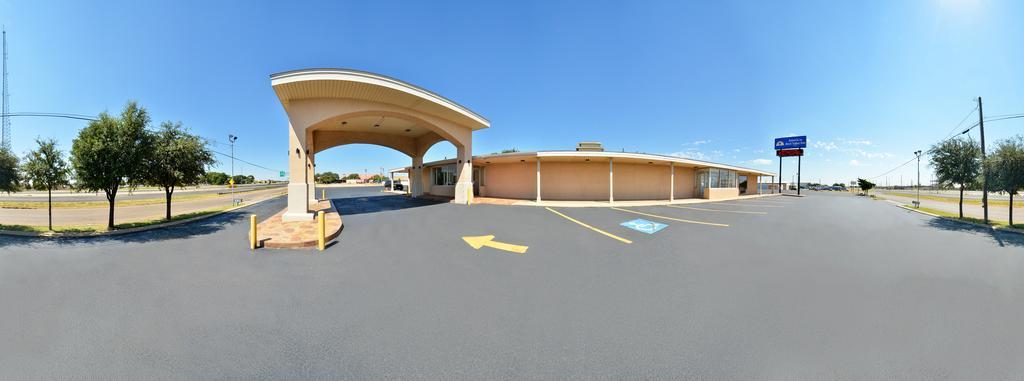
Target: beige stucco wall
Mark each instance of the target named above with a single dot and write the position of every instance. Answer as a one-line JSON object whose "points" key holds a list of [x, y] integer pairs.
{"points": [[641, 182], [720, 193], [751, 184], [574, 181], [442, 190], [512, 180], [684, 182], [585, 181]]}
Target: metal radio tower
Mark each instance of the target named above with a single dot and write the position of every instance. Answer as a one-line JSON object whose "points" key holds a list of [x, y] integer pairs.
{"points": [[5, 120]]}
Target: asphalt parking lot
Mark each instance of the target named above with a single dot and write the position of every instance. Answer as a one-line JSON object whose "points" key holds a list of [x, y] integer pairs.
{"points": [[829, 286]]}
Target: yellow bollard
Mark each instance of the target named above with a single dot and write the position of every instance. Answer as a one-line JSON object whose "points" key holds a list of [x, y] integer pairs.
{"points": [[323, 194], [253, 238], [322, 228], [469, 197]]}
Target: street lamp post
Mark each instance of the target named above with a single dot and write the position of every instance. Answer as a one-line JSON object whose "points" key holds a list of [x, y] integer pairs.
{"points": [[231, 140], [918, 154]]}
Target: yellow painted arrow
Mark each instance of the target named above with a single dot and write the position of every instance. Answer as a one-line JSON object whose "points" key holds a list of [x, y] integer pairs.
{"points": [[479, 241]]}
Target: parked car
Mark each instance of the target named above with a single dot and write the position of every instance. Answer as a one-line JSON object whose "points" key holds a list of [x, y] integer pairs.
{"points": [[398, 185], [387, 184]]}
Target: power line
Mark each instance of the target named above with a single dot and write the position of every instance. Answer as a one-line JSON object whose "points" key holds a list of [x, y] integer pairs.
{"points": [[92, 118], [952, 131], [891, 170], [52, 115], [250, 163], [968, 129]]}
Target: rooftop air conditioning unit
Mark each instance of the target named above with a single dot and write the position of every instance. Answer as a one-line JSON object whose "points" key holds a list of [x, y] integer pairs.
{"points": [[589, 146]]}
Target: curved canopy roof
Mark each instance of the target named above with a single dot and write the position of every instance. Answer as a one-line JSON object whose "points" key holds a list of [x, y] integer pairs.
{"points": [[361, 85]]}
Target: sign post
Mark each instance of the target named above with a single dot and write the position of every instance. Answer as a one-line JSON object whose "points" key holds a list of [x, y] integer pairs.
{"points": [[790, 146]]}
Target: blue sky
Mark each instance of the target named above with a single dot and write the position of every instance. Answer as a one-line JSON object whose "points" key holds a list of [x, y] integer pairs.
{"points": [[869, 82]]}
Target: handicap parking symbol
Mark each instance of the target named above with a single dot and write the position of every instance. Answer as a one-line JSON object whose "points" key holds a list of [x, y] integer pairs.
{"points": [[644, 226]]}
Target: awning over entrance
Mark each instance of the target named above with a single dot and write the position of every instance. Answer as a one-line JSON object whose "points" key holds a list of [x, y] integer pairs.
{"points": [[332, 107]]}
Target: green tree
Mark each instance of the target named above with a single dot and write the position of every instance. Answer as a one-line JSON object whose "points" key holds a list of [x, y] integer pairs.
{"points": [[352, 176], [327, 177], [957, 161], [244, 179], [216, 178], [46, 169], [178, 159], [865, 185], [1006, 168], [10, 179], [112, 152]]}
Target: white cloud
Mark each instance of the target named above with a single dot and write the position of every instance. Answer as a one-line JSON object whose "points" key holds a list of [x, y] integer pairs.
{"points": [[854, 163], [827, 146], [761, 162], [699, 142], [691, 154], [858, 142]]}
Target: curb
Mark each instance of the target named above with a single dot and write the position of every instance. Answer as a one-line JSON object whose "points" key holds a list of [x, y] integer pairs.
{"points": [[129, 230], [308, 244], [975, 224]]}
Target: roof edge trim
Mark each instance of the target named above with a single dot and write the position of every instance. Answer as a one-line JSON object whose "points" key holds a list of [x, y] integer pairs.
{"points": [[295, 76]]}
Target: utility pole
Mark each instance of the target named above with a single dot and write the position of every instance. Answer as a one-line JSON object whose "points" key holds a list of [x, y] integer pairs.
{"points": [[798, 174], [984, 173], [231, 139], [780, 174], [918, 154], [5, 109]]}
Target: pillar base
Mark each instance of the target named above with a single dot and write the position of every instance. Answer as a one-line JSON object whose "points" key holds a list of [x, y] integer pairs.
{"points": [[289, 216], [463, 192], [298, 202]]}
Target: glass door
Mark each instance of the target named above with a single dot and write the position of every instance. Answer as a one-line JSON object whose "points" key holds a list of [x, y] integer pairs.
{"points": [[478, 179], [701, 184]]}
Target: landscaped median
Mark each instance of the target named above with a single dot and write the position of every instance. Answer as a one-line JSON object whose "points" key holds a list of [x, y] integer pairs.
{"points": [[275, 233], [993, 224], [123, 228]]}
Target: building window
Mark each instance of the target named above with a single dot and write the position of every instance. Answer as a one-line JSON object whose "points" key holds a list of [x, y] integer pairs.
{"points": [[444, 175], [716, 178]]}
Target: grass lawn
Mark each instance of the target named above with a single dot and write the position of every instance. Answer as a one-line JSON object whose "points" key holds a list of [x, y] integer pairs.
{"points": [[104, 204], [954, 200], [944, 213], [103, 228]]}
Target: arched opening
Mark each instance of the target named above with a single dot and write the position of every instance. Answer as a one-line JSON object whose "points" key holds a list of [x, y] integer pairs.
{"points": [[334, 107]]}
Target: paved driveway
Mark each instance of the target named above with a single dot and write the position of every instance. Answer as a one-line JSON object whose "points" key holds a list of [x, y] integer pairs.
{"points": [[820, 287]]}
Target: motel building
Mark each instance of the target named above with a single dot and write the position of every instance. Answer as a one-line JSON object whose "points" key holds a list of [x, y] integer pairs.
{"points": [[328, 108]]}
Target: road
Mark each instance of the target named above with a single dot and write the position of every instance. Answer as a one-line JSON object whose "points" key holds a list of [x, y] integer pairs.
{"points": [[828, 286], [124, 195], [123, 214]]}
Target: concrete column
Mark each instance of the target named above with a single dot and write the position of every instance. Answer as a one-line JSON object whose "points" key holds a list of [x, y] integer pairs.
{"points": [[311, 176], [672, 181], [416, 176], [611, 180], [538, 180], [298, 188], [464, 176]]}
